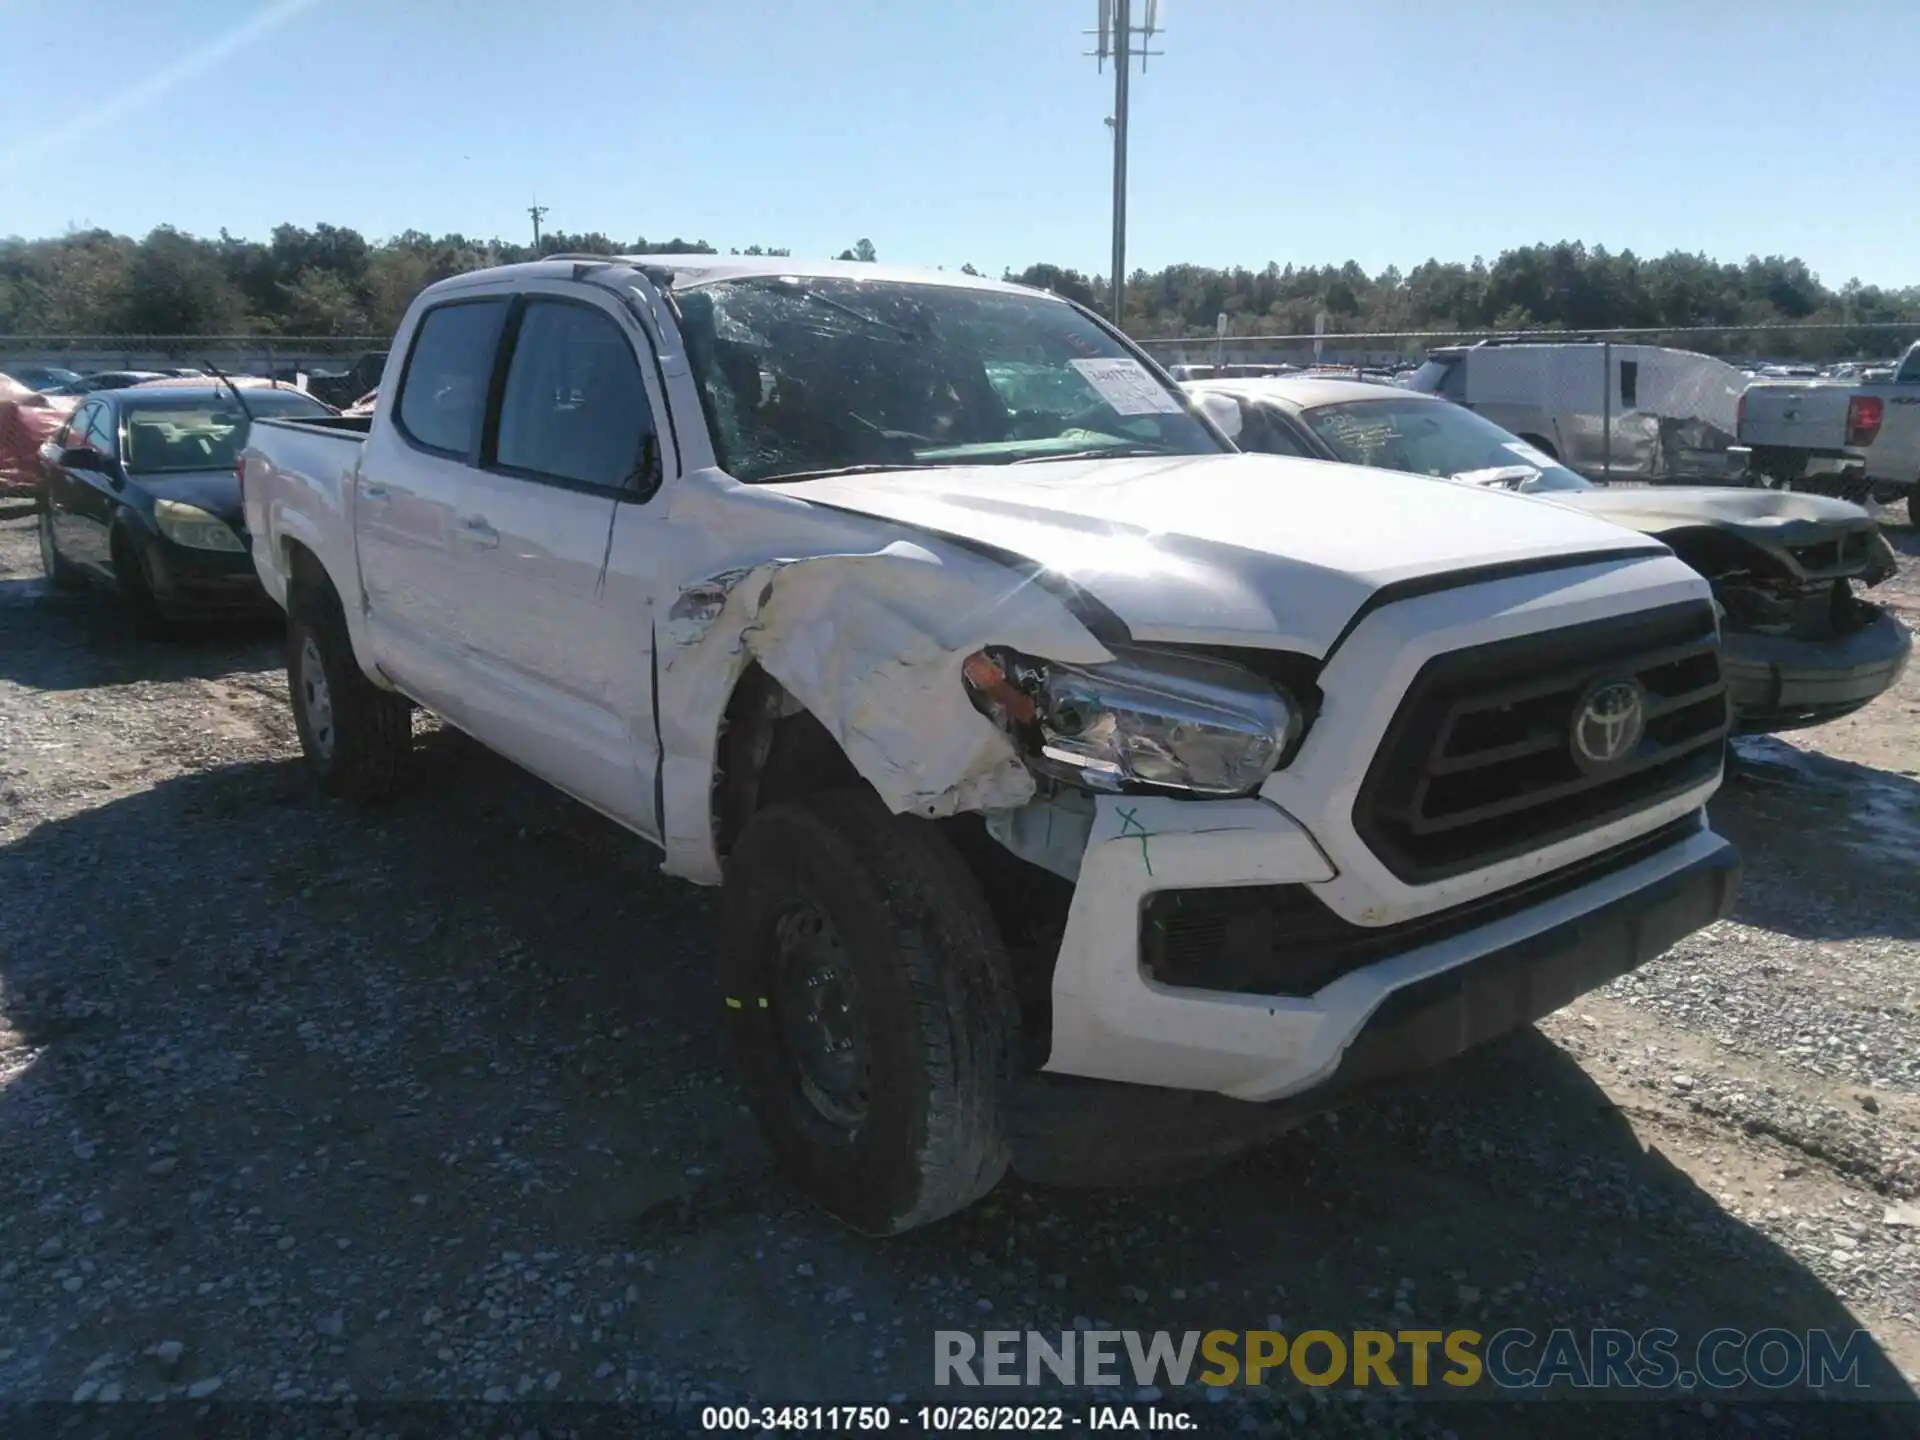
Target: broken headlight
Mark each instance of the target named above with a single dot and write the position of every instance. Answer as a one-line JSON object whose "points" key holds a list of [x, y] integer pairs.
{"points": [[1165, 719]]}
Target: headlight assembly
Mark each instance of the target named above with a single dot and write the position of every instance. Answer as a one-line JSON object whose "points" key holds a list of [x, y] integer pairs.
{"points": [[1161, 719], [193, 527]]}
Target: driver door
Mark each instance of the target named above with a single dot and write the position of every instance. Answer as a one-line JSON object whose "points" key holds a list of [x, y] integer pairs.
{"points": [[77, 498]]}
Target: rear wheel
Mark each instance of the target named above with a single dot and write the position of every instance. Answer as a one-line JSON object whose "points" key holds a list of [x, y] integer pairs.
{"points": [[869, 1007], [357, 738], [60, 575]]}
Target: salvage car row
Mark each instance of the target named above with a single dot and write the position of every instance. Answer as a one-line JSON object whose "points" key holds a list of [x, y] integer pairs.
{"points": [[1064, 764]]}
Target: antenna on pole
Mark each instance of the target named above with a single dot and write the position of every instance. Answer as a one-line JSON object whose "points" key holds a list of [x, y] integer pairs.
{"points": [[539, 213], [1116, 37]]}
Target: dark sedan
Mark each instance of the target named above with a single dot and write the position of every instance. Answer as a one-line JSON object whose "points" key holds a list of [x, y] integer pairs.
{"points": [[139, 493], [40, 377], [106, 380], [1800, 644]]}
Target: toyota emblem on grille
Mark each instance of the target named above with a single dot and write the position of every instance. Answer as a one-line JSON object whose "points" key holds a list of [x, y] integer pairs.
{"points": [[1608, 723]]}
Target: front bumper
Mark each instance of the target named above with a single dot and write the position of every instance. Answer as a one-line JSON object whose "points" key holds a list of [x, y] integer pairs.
{"points": [[1375, 1025], [1111, 1020], [1778, 682], [191, 583]]}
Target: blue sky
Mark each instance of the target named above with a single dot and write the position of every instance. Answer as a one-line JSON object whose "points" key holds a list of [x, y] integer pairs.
{"points": [[1384, 131]]}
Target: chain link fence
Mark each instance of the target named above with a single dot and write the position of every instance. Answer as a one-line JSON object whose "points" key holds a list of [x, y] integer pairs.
{"points": [[276, 356], [1809, 348]]}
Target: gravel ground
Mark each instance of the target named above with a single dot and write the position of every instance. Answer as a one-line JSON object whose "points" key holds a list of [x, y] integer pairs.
{"points": [[300, 1104]]}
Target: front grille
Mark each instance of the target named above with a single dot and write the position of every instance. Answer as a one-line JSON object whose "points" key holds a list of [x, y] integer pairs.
{"points": [[1281, 940], [1479, 763]]}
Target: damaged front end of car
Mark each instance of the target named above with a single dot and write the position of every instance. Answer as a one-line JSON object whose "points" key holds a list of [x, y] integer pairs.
{"points": [[1802, 645]]}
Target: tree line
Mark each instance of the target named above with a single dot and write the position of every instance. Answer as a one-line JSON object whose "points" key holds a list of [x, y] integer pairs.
{"points": [[330, 280]]}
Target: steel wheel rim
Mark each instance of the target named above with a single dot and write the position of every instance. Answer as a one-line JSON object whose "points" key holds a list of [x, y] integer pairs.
{"points": [[316, 698], [820, 1017]]}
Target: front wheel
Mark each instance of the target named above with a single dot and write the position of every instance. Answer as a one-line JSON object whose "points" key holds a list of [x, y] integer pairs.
{"points": [[130, 576], [1913, 508], [357, 738], [870, 1008], [60, 574]]}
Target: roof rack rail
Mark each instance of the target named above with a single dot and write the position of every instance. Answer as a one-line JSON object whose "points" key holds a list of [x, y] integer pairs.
{"points": [[659, 275]]}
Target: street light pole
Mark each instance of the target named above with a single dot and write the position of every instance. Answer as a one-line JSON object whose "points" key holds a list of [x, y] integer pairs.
{"points": [[1116, 34], [1122, 43]]}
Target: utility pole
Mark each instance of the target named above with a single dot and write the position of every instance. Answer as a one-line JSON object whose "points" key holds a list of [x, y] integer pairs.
{"points": [[1116, 37], [539, 213]]}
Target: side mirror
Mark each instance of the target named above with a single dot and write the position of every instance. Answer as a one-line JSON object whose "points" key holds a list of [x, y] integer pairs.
{"points": [[1224, 411], [650, 473], [81, 457]]}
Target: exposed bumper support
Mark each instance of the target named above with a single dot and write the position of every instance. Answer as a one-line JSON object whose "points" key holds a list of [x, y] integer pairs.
{"points": [[1778, 682]]}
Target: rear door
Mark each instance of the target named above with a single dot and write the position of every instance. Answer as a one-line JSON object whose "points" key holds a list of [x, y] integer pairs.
{"points": [[407, 492], [60, 483], [562, 683]]}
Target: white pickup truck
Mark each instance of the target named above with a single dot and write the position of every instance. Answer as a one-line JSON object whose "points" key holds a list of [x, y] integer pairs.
{"points": [[1085, 795], [1838, 438]]}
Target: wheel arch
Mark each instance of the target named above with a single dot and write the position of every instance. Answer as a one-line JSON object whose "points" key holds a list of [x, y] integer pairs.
{"points": [[303, 569], [305, 575], [770, 749]]}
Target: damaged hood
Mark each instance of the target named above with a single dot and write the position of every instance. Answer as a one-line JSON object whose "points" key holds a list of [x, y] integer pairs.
{"points": [[1785, 517], [1813, 535], [1257, 550]]}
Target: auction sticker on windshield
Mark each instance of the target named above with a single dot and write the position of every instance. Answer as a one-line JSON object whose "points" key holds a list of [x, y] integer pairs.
{"points": [[1127, 387]]}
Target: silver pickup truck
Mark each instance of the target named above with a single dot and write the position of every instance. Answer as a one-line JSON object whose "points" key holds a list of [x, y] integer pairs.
{"points": [[1850, 440]]}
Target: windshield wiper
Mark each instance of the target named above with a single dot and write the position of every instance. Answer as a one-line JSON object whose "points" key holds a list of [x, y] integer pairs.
{"points": [[1511, 477], [833, 472], [1105, 452]]}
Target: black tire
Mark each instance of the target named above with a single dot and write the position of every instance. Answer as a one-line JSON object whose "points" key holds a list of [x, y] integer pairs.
{"points": [[1913, 508], [934, 1009], [60, 572], [150, 622], [357, 738]]}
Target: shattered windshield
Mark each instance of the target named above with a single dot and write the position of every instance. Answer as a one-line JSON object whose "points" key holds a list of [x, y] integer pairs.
{"points": [[1428, 437], [809, 375]]}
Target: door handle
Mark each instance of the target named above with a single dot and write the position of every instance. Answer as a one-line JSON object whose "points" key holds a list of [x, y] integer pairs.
{"points": [[374, 492], [474, 530]]}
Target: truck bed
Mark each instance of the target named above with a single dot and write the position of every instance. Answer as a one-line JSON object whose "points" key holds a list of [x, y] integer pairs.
{"points": [[301, 467]]}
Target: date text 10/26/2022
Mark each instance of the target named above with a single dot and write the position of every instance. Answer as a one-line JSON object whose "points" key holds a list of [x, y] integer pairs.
{"points": [[943, 1419]]}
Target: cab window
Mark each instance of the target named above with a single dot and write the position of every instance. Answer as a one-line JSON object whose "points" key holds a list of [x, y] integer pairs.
{"points": [[444, 389], [574, 407]]}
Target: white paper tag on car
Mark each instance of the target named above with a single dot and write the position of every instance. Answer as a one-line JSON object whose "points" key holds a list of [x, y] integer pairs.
{"points": [[1127, 387], [1527, 453]]}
